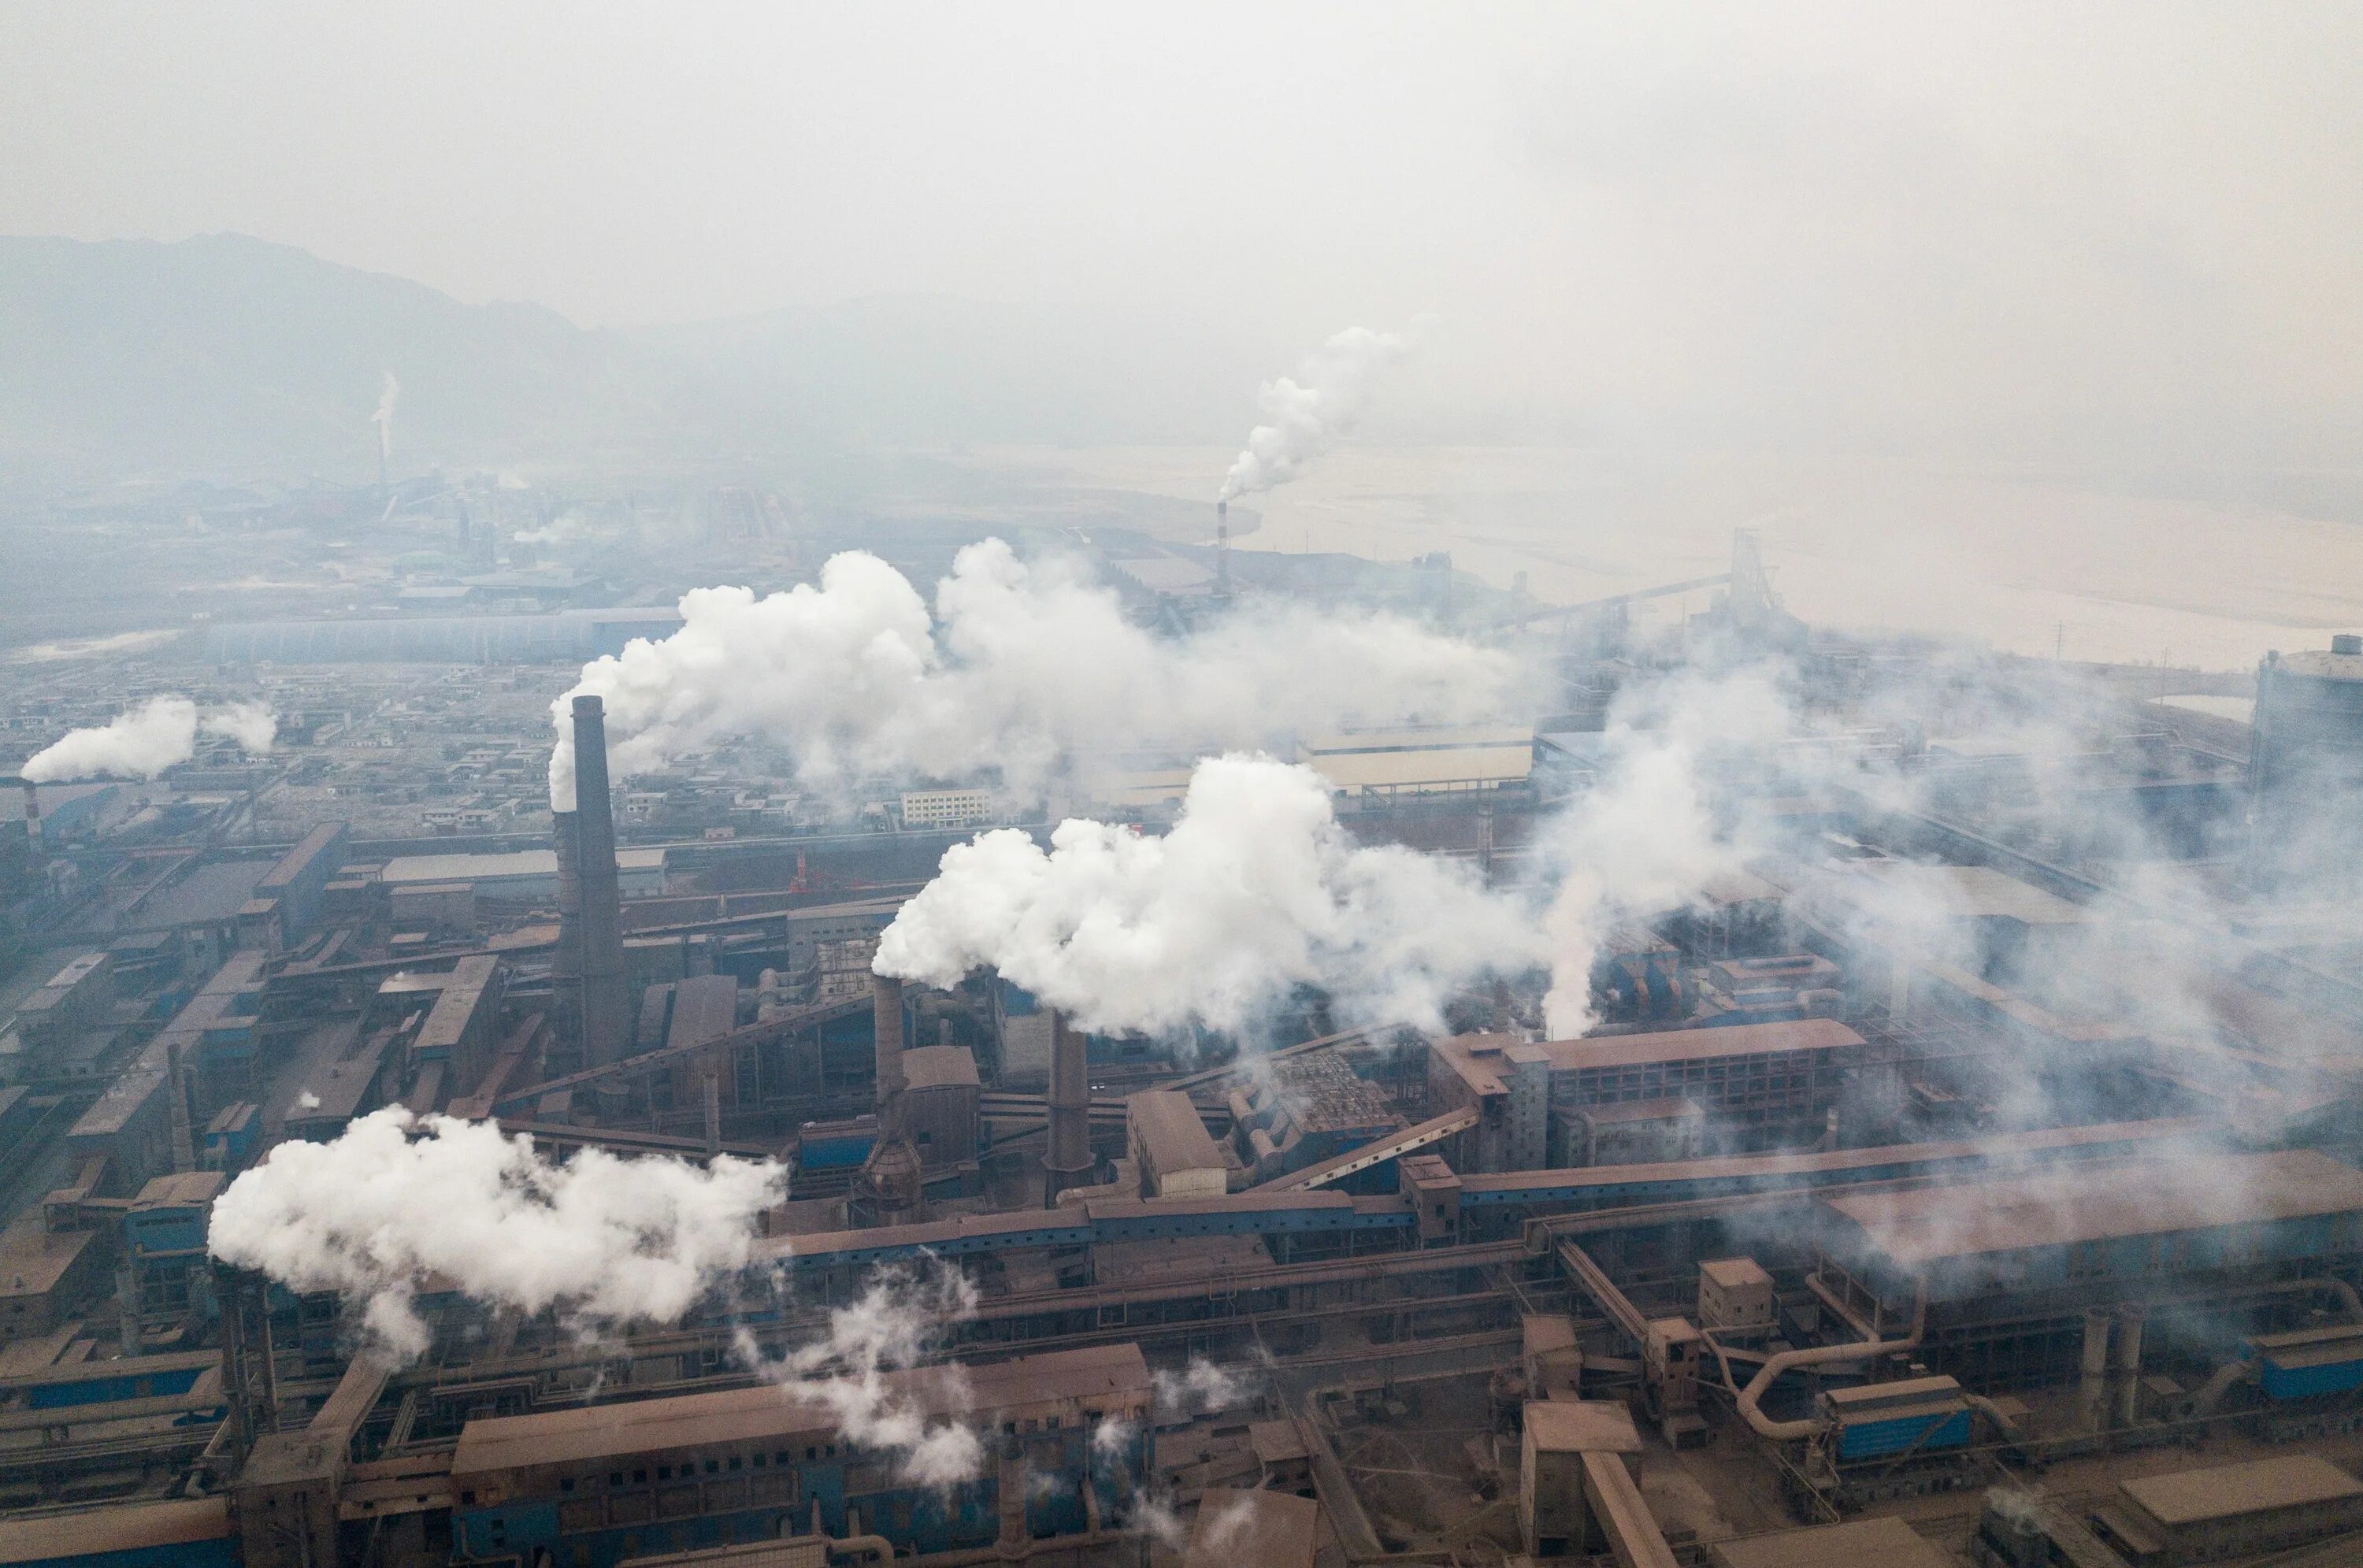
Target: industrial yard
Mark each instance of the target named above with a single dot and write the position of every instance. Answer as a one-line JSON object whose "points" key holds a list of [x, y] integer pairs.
{"points": [[1935, 1175]]}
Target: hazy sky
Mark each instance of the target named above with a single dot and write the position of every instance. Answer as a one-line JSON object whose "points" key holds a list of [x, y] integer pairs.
{"points": [[1980, 227]]}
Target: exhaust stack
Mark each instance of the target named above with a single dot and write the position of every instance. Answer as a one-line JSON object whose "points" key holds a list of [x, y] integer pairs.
{"points": [[1068, 1160], [566, 969], [605, 1001], [893, 1177]]}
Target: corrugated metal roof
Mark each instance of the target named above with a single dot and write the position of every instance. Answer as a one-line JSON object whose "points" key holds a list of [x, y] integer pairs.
{"points": [[1167, 1126], [1889, 1543], [1698, 1044], [939, 1066], [2225, 1491], [2092, 1202], [765, 1414], [120, 1526]]}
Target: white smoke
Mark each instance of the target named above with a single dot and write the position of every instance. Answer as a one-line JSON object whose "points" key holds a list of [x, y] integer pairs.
{"points": [[1646, 840], [563, 530], [1019, 668], [1199, 1388], [160, 733], [896, 1321], [1255, 891], [395, 1198], [383, 417], [251, 724], [1304, 415]]}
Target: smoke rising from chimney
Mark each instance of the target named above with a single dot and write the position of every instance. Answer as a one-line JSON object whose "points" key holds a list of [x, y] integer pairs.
{"points": [[383, 419], [397, 1197], [1021, 667], [160, 733], [1257, 890], [1305, 415]]}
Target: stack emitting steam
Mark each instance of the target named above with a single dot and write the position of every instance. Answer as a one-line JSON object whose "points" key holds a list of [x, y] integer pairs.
{"points": [[383, 419], [606, 1242], [1019, 667], [1305, 415], [160, 733]]}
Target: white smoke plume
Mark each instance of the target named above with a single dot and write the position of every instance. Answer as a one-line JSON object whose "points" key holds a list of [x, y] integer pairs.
{"points": [[160, 733], [1646, 840], [1020, 668], [1199, 1388], [896, 1321], [1255, 891], [383, 417], [251, 724], [395, 1198], [1305, 415]]}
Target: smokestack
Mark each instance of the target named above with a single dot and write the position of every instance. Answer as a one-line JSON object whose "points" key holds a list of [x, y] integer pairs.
{"points": [[1067, 1159], [566, 971], [887, 1000], [605, 1029], [32, 813], [891, 1178]]}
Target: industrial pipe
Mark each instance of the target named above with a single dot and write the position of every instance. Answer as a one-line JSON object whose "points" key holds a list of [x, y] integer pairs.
{"points": [[1750, 1398]]}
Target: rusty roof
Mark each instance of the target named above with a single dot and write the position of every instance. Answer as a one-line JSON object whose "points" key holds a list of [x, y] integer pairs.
{"points": [[1271, 1529], [1698, 1044], [1888, 1542], [769, 1413], [117, 1527], [939, 1066], [2223, 1491], [1581, 1426], [2096, 1201]]}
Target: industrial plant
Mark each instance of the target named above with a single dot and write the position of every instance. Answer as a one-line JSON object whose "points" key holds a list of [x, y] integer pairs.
{"points": [[1718, 1090]]}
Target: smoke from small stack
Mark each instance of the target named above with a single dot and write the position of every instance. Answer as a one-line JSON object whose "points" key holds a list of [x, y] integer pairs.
{"points": [[160, 733], [1305, 415], [1020, 668], [383, 419], [606, 995]]}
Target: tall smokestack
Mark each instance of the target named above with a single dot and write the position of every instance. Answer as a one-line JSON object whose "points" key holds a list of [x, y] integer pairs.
{"points": [[886, 998], [893, 1177], [604, 1003], [566, 971], [1222, 549], [32, 812], [1067, 1159]]}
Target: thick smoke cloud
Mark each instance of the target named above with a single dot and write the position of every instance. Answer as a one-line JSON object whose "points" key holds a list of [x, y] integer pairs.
{"points": [[897, 1319], [1305, 415], [396, 1197], [1020, 668], [1255, 891], [1647, 839], [160, 733]]}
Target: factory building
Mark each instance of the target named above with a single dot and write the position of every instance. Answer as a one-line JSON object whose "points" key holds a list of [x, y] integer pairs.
{"points": [[2003, 1270], [1169, 1147], [2230, 1510], [2305, 761], [287, 903], [1638, 1097], [520, 873], [602, 1485], [1378, 765]]}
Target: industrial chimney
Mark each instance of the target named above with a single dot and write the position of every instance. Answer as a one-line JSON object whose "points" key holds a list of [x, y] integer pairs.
{"points": [[1067, 1160], [891, 1178], [606, 1027], [566, 969], [1222, 550]]}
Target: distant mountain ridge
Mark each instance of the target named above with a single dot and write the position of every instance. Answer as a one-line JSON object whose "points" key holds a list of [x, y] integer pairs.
{"points": [[233, 355]]}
